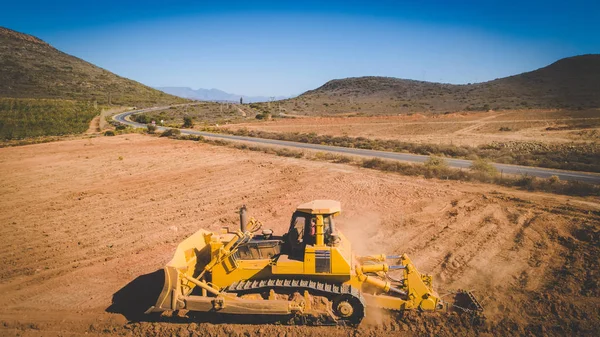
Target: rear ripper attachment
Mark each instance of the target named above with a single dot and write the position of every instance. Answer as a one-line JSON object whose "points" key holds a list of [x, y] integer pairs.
{"points": [[465, 301], [309, 274]]}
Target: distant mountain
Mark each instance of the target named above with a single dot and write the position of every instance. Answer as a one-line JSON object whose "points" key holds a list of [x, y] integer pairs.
{"points": [[31, 68], [572, 82], [214, 95]]}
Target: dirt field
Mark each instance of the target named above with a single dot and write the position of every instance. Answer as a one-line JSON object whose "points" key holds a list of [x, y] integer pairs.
{"points": [[89, 221], [469, 128]]}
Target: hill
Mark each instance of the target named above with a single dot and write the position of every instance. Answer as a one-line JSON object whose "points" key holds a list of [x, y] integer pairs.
{"points": [[568, 83], [214, 95], [31, 68]]}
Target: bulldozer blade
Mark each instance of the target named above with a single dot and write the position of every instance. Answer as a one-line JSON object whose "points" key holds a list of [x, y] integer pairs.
{"points": [[187, 261]]}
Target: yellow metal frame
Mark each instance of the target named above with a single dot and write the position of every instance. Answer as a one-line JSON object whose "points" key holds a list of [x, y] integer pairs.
{"points": [[184, 272]]}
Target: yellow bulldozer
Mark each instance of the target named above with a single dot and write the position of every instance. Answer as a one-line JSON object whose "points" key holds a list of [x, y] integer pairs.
{"points": [[309, 272]]}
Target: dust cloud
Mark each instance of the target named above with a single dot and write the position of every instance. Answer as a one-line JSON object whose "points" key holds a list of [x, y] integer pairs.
{"points": [[359, 230]]}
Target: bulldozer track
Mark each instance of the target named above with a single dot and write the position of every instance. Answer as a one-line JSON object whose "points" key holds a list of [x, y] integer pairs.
{"points": [[330, 290], [322, 288]]}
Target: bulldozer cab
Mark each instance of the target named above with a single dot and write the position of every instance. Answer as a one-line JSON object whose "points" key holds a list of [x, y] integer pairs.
{"points": [[311, 224]]}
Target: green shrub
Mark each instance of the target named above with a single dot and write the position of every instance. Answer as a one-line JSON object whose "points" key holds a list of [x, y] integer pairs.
{"points": [[109, 133], [188, 122], [342, 160], [332, 157], [263, 115], [191, 137], [436, 167], [527, 182], [171, 133], [143, 119], [285, 152], [579, 188], [151, 128], [372, 163], [484, 167], [436, 162]]}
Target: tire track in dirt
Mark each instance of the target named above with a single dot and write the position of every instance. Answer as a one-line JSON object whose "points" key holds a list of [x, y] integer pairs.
{"points": [[476, 124]]}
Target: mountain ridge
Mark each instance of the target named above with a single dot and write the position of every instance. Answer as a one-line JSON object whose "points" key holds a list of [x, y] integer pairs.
{"points": [[32, 68], [214, 95], [572, 82]]}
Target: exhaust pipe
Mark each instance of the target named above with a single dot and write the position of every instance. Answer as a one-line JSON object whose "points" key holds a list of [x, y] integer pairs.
{"points": [[243, 218]]}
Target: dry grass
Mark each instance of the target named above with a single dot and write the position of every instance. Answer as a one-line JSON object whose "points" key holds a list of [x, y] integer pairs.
{"points": [[435, 167], [578, 157], [466, 128]]}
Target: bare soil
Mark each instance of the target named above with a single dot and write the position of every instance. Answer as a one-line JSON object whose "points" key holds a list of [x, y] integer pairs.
{"points": [[466, 128], [87, 225], [94, 126]]}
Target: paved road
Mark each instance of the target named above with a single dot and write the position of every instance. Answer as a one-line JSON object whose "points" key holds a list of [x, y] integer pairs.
{"points": [[415, 158]]}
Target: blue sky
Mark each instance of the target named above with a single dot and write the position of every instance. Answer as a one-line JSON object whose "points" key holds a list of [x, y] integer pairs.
{"points": [[283, 48]]}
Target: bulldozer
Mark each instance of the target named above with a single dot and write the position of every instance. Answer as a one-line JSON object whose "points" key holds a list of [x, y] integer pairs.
{"points": [[310, 272]]}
